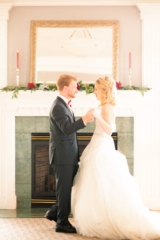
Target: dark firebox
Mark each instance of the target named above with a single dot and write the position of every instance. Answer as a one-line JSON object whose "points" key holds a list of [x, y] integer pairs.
{"points": [[43, 178]]}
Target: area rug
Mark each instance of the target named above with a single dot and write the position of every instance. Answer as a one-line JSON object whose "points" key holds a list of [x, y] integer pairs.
{"points": [[33, 229]]}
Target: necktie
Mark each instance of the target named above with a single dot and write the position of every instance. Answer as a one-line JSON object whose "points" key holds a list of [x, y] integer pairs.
{"points": [[70, 106], [69, 103]]}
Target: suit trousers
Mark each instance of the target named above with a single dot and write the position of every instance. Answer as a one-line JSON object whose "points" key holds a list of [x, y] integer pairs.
{"points": [[64, 181]]}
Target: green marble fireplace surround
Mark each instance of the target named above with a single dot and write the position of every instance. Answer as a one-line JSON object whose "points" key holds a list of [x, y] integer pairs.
{"points": [[27, 125]]}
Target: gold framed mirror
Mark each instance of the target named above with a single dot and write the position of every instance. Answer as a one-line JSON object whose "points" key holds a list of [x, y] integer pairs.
{"points": [[85, 49]]}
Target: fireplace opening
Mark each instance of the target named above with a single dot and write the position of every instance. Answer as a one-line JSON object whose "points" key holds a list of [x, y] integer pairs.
{"points": [[43, 178]]}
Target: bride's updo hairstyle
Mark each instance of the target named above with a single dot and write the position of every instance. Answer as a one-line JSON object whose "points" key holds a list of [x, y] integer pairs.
{"points": [[107, 90]]}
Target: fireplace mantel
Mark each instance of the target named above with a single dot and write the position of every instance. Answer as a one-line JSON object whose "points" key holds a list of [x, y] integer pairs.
{"points": [[130, 103], [38, 103]]}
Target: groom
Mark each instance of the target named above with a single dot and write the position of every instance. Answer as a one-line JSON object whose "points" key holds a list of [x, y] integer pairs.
{"points": [[63, 150]]}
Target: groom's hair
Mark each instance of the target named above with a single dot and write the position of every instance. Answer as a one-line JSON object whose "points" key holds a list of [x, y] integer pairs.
{"points": [[65, 80]]}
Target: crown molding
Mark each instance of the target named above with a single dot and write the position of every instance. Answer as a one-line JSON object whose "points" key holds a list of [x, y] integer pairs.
{"points": [[71, 2], [77, 2], [4, 10], [149, 10]]}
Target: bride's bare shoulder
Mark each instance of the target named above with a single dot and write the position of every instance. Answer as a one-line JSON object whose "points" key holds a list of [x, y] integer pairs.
{"points": [[107, 107], [108, 111]]}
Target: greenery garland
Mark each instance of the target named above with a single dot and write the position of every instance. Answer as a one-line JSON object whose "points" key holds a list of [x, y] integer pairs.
{"points": [[88, 88]]}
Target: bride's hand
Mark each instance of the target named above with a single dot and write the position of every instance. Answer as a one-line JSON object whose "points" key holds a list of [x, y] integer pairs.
{"points": [[94, 112]]}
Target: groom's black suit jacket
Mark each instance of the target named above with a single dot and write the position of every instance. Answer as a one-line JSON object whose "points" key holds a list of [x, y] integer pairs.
{"points": [[63, 155], [63, 147]]}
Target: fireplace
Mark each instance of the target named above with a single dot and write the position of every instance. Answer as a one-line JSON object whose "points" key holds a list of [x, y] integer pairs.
{"points": [[43, 178], [29, 113]]}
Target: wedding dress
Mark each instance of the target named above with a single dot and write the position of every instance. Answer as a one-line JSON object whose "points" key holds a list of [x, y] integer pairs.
{"points": [[106, 201]]}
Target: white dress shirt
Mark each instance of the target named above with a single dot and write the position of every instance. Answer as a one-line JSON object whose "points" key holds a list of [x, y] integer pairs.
{"points": [[67, 100]]}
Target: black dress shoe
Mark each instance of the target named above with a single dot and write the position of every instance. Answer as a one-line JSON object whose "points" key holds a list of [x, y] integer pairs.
{"points": [[65, 229], [51, 216]]}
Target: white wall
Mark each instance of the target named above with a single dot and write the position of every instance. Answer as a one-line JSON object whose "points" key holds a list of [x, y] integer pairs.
{"points": [[129, 36]]}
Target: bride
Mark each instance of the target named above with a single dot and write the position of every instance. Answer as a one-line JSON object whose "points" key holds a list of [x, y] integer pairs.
{"points": [[106, 201]]}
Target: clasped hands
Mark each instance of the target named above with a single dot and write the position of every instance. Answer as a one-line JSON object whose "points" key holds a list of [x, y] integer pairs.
{"points": [[89, 116]]}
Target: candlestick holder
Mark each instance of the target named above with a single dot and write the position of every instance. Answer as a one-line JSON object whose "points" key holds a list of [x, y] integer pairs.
{"points": [[130, 77], [17, 76]]}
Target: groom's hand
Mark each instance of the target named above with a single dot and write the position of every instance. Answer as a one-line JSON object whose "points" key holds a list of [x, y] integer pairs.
{"points": [[88, 117]]}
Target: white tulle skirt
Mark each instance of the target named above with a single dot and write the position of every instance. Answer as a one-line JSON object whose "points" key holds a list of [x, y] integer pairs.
{"points": [[106, 201]]}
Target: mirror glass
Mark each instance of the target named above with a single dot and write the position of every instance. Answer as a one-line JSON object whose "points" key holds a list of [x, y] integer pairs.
{"points": [[87, 50]]}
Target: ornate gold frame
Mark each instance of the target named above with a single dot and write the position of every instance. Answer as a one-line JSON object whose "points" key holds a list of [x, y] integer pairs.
{"points": [[62, 24]]}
